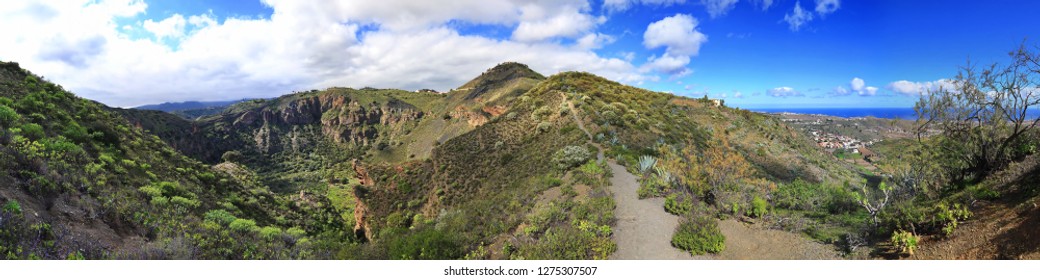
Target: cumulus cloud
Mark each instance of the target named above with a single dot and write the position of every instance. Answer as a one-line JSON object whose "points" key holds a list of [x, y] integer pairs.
{"points": [[622, 5], [717, 8], [856, 85], [679, 36], [824, 7], [672, 65], [905, 87], [302, 45], [171, 27], [568, 22], [783, 92], [677, 33], [594, 41], [798, 17]]}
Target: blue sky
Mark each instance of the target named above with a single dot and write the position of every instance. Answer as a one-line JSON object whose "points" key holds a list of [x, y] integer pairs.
{"points": [[753, 53]]}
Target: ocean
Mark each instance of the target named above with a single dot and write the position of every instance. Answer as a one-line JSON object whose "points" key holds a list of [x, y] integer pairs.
{"points": [[887, 113]]}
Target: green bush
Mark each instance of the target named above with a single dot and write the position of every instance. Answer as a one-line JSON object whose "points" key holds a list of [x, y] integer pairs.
{"points": [[243, 225], [541, 113], [544, 126], [699, 236], [270, 233], [759, 207], [185, 202], [948, 217], [32, 131], [12, 207], [220, 216], [571, 156], [905, 241], [8, 116], [678, 205], [426, 244]]}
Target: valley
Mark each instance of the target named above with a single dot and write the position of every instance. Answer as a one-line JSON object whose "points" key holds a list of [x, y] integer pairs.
{"points": [[511, 165]]}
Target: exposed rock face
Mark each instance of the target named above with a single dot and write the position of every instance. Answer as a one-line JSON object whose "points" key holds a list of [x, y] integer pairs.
{"points": [[473, 118], [337, 117], [495, 111]]}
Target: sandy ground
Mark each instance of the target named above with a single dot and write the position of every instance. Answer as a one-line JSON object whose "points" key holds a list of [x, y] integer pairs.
{"points": [[644, 230]]}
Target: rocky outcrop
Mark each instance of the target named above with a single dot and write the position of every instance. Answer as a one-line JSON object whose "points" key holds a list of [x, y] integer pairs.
{"points": [[495, 111], [337, 117], [472, 118]]}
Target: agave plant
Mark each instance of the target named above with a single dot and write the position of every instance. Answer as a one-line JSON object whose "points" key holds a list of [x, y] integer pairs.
{"points": [[665, 176], [646, 163]]}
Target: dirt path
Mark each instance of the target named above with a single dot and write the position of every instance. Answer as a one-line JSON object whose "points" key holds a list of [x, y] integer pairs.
{"points": [[644, 230]]}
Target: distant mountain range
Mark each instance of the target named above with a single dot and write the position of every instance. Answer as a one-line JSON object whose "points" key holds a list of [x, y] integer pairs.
{"points": [[190, 109]]}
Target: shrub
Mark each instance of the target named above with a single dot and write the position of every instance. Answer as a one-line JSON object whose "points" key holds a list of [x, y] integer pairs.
{"points": [[243, 225], [231, 156], [220, 216], [905, 241], [544, 126], [699, 236], [160, 201], [571, 156], [150, 190], [949, 216], [541, 113], [32, 131], [677, 205], [12, 207], [8, 116], [183, 201], [296, 232], [426, 244], [270, 233], [759, 207], [591, 168]]}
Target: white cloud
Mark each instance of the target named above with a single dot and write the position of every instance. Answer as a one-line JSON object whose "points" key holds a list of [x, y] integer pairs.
{"points": [[840, 91], [594, 41], [679, 35], [717, 8], [171, 27], [824, 7], [920, 88], [869, 91], [672, 65], [302, 45], [798, 17], [857, 84], [568, 22], [764, 4], [737, 94], [202, 20], [622, 5], [783, 92]]}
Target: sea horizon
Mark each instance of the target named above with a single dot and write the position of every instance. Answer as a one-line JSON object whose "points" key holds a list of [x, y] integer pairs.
{"points": [[884, 113], [906, 113]]}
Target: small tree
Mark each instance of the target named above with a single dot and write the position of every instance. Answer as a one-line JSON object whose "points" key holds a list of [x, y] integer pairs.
{"points": [[873, 202], [984, 114], [231, 156]]}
